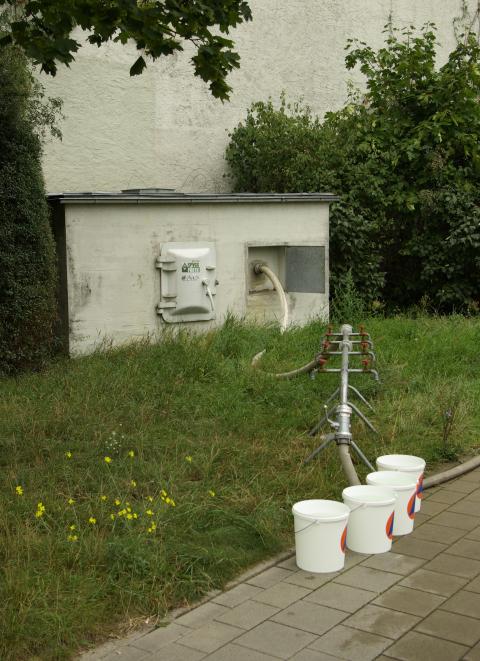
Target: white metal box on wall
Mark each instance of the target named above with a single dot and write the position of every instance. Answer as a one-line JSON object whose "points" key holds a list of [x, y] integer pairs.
{"points": [[132, 262]]}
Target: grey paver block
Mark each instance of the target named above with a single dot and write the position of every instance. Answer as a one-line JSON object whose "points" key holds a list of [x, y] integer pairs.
{"points": [[310, 617], [473, 497], [429, 581], [201, 615], [237, 595], [282, 595], [432, 508], [276, 639], [473, 586], [460, 486], [289, 563], [473, 534], [393, 562], [451, 626], [465, 506], [473, 654], [174, 652], [347, 643], [465, 603], [409, 601], [444, 496], [310, 581], [454, 520], [421, 518], [419, 548], [383, 621], [233, 652], [434, 533], [455, 565], [248, 614], [210, 637], [342, 597], [270, 577], [352, 559], [313, 655], [161, 636], [416, 646], [127, 653], [365, 578], [467, 548]]}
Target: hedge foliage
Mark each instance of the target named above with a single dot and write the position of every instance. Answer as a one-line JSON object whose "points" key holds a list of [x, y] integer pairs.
{"points": [[27, 255], [405, 159]]}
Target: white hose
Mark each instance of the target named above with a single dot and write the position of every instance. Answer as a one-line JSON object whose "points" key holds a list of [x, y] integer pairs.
{"points": [[277, 285]]}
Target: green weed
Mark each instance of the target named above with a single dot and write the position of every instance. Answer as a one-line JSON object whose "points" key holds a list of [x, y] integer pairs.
{"points": [[190, 421]]}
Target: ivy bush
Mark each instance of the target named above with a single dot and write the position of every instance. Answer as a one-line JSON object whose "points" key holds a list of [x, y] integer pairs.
{"points": [[404, 158], [27, 255]]}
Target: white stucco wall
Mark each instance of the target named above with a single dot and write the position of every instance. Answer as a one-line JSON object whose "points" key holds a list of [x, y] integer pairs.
{"points": [[113, 284], [164, 129]]}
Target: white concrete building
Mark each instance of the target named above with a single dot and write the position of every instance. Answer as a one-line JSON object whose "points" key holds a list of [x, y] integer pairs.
{"points": [[163, 128]]}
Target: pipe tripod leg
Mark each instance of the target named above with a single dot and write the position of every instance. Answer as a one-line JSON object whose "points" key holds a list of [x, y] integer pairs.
{"points": [[362, 456], [328, 439], [361, 397], [314, 431], [362, 417]]}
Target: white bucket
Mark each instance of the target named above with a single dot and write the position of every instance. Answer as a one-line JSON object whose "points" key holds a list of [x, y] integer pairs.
{"points": [[405, 487], [320, 532], [406, 463], [370, 526]]}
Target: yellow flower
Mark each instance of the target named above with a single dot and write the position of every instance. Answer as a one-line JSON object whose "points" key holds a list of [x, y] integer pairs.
{"points": [[72, 527], [163, 492], [149, 513], [152, 528], [211, 493], [107, 460], [19, 490], [150, 499], [133, 483], [129, 516], [135, 515], [72, 538], [103, 498], [117, 502], [131, 454], [70, 501], [92, 520], [112, 516], [68, 454], [121, 512], [40, 510], [188, 458]]}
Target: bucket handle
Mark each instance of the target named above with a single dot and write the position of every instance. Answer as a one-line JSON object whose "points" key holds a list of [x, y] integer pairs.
{"points": [[326, 519]]}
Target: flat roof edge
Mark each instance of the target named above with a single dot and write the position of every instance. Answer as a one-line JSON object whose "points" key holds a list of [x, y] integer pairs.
{"points": [[188, 198]]}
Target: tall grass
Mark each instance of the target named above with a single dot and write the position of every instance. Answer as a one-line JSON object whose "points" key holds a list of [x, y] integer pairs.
{"points": [[222, 441]]}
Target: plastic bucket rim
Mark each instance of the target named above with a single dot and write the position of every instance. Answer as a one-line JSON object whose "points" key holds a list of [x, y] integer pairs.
{"points": [[341, 516], [396, 487], [419, 466], [388, 499]]}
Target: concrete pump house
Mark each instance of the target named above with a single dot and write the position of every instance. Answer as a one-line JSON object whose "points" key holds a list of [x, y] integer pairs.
{"points": [[134, 262]]}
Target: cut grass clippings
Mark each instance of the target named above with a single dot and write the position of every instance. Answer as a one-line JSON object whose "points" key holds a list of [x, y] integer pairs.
{"points": [[163, 471]]}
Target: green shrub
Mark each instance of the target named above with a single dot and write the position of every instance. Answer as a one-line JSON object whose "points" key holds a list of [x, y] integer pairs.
{"points": [[405, 160], [27, 257]]}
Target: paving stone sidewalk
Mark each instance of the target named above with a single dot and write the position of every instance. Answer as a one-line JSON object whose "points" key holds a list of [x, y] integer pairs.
{"points": [[419, 602]]}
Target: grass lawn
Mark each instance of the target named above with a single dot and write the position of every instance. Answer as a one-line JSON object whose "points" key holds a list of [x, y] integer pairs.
{"points": [[205, 463]]}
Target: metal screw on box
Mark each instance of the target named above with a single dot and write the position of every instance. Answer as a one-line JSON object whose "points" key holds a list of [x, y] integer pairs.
{"points": [[344, 344]]}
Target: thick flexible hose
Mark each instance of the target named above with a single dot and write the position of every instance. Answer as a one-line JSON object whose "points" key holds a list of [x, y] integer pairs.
{"points": [[347, 465], [451, 473], [277, 285], [263, 268]]}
